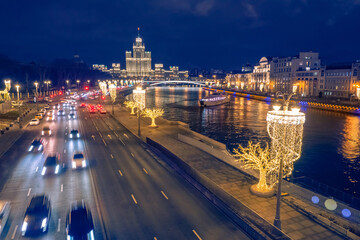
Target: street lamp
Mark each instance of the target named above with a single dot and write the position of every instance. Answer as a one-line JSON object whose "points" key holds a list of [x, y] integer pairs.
{"points": [[112, 90], [36, 95], [285, 129], [17, 90], [78, 83], [47, 85], [139, 98]]}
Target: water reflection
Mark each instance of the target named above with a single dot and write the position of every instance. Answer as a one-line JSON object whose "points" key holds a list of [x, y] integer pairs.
{"points": [[331, 143]]}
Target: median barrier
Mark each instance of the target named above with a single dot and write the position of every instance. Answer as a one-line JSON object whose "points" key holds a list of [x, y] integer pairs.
{"points": [[253, 224]]}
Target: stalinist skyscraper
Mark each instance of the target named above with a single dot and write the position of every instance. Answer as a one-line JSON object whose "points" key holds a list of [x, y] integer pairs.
{"points": [[138, 64]]}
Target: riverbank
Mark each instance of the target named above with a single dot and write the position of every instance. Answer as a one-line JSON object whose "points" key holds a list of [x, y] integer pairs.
{"points": [[319, 105], [228, 183]]}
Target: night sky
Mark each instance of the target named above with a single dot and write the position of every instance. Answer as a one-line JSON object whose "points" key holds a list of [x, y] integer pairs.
{"points": [[188, 33]]}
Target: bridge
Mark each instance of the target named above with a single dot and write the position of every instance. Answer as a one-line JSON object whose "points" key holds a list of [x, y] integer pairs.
{"points": [[154, 83]]}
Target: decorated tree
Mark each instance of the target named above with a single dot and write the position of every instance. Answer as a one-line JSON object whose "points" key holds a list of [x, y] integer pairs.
{"points": [[258, 158], [153, 113], [132, 105]]}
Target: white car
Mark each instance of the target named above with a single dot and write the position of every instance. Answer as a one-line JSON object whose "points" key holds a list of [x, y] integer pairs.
{"points": [[34, 122], [78, 160], [4, 213]]}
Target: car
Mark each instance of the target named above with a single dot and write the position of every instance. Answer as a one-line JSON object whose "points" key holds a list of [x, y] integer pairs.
{"points": [[102, 111], [36, 145], [82, 105], [61, 112], [51, 118], [71, 116], [52, 165], [78, 160], [46, 131], [34, 121], [51, 112], [99, 107], [74, 134], [46, 107], [72, 108], [4, 213], [56, 106], [39, 116], [79, 222], [37, 216]]}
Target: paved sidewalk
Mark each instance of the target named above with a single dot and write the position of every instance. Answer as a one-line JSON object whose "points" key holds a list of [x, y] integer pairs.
{"points": [[294, 224]]}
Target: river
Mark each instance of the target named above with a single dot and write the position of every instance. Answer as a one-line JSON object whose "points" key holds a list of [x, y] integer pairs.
{"points": [[331, 141]]}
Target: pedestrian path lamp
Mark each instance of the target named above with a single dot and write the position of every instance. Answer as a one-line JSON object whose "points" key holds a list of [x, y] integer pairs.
{"points": [[285, 129], [139, 98], [36, 95]]}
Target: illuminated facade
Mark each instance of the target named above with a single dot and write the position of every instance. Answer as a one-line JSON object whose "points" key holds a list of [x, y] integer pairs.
{"points": [[138, 65]]}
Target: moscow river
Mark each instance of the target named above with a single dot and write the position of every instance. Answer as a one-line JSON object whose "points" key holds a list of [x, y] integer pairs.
{"points": [[331, 143]]}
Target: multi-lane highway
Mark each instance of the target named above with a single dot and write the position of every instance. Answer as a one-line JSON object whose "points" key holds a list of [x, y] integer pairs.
{"points": [[130, 194]]}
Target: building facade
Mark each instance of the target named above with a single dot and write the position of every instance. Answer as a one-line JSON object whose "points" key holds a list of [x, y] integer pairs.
{"points": [[138, 65]]}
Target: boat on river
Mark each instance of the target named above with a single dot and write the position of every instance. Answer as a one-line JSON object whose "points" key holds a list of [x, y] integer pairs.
{"points": [[214, 100]]}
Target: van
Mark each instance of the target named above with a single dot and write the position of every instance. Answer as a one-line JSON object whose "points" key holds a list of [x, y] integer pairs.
{"points": [[4, 214]]}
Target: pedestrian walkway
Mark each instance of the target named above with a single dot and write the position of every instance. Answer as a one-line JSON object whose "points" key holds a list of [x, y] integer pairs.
{"points": [[234, 182]]}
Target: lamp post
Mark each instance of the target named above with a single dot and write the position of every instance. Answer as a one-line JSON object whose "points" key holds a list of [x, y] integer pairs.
{"points": [[17, 90], [67, 84], [139, 98], [36, 95], [47, 86], [78, 83], [112, 90], [285, 129]]}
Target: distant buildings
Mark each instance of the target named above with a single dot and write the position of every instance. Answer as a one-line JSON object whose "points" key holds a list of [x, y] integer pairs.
{"points": [[302, 74], [138, 66]]}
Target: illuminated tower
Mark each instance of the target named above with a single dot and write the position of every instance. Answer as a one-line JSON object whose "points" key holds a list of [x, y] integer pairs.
{"points": [[138, 62]]}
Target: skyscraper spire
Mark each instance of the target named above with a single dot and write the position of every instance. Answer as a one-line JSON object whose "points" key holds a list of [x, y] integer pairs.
{"points": [[138, 32]]}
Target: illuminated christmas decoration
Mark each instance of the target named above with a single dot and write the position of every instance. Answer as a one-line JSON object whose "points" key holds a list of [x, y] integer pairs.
{"points": [[258, 158], [153, 113], [285, 129], [112, 90], [4, 95], [103, 88], [132, 105], [139, 97]]}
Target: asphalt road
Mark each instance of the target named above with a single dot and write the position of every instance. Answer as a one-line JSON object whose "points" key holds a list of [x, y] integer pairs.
{"points": [[130, 194]]}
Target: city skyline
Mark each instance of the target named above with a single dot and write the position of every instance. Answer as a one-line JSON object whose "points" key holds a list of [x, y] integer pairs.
{"points": [[221, 34]]}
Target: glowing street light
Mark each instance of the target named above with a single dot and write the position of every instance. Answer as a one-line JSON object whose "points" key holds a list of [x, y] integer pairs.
{"points": [[47, 85], [112, 90], [36, 95], [78, 83], [139, 98], [17, 90], [285, 129]]}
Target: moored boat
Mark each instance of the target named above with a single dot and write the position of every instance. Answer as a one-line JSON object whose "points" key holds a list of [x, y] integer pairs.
{"points": [[214, 99]]}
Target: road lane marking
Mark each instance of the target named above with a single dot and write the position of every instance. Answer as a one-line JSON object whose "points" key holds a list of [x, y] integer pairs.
{"points": [[59, 225], [122, 141], [62, 188], [28, 194], [37, 168], [65, 140], [164, 195], [13, 235], [116, 134], [197, 234], [155, 238], [104, 141], [111, 156], [126, 136], [64, 150], [132, 195], [66, 133], [109, 136], [93, 137], [132, 154], [120, 173], [145, 171]]}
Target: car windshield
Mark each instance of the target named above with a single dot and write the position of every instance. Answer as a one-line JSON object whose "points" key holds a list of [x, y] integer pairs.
{"points": [[74, 131], [34, 120], [79, 222], [37, 205], [78, 155], [36, 142], [50, 161], [46, 128]]}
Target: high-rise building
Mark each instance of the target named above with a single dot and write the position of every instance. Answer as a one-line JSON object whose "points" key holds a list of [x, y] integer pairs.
{"points": [[138, 62]]}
